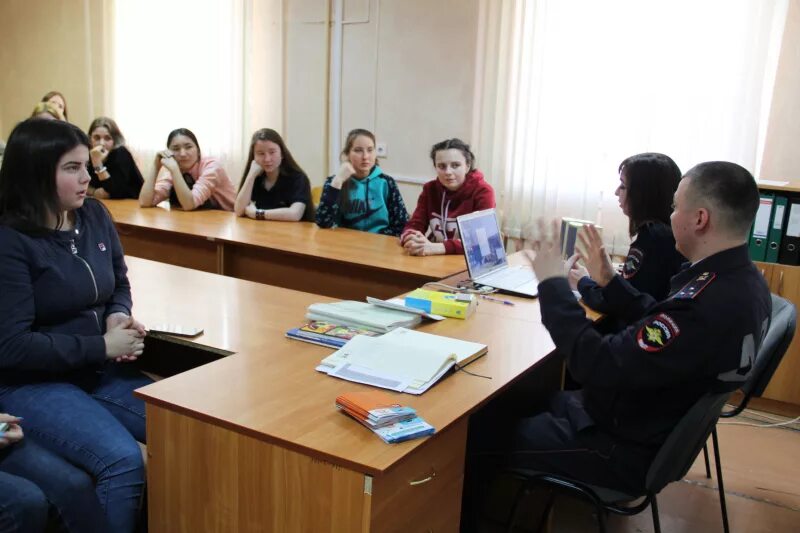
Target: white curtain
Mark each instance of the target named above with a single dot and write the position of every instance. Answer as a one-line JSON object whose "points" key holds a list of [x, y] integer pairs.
{"points": [[180, 63], [570, 88]]}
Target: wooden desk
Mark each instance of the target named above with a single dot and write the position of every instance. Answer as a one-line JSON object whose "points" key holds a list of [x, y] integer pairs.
{"points": [[252, 442], [339, 262]]}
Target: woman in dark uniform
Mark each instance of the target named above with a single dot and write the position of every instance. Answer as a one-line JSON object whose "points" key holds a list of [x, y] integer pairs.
{"points": [[647, 183]]}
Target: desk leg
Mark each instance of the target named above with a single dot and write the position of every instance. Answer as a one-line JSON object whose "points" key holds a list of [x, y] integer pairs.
{"points": [[220, 258]]}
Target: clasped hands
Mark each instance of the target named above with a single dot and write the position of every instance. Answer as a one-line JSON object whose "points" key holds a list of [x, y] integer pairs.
{"points": [[166, 158], [543, 250], [124, 338], [416, 243]]}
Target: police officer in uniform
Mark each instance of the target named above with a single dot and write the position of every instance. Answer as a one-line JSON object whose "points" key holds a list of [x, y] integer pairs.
{"points": [[639, 382]]}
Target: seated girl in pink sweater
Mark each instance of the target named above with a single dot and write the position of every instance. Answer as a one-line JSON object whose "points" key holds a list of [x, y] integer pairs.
{"points": [[188, 180], [459, 188]]}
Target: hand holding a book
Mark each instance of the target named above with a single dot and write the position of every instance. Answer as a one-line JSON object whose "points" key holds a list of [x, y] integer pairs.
{"points": [[543, 250], [593, 254]]}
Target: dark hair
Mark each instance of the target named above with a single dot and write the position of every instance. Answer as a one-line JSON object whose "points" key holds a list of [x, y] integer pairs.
{"points": [[51, 94], [187, 133], [344, 195], [288, 164], [111, 126], [651, 180], [28, 192], [454, 144], [731, 192]]}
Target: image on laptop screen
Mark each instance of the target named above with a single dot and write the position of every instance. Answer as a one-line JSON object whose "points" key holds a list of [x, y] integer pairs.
{"points": [[483, 245]]}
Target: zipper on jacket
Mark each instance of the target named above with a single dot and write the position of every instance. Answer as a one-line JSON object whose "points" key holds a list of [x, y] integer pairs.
{"points": [[74, 250]]}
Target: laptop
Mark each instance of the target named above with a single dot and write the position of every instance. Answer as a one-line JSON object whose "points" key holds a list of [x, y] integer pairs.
{"points": [[486, 257]]}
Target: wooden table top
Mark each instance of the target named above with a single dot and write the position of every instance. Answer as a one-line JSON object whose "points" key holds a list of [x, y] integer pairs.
{"points": [[269, 388], [302, 238]]}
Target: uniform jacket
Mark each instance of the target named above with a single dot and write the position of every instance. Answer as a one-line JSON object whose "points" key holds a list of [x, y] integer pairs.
{"points": [[651, 262], [437, 209], [703, 337], [57, 291], [375, 205], [211, 182]]}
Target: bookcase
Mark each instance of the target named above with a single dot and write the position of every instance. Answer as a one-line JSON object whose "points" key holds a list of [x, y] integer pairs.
{"points": [[784, 280]]}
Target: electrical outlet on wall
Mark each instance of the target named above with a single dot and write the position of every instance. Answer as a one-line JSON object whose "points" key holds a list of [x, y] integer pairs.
{"points": [[381, 150]]}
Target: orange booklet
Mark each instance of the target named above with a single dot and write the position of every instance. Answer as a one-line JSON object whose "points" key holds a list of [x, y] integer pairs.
{"points": [[374, 406]]}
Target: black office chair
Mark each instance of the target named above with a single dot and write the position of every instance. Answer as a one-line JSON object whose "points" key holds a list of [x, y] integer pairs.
{"points": [[672, 462], [779, 336]]}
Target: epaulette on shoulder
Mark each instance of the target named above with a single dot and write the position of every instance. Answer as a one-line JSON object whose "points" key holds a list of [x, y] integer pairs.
{"points": [[695, 287]]}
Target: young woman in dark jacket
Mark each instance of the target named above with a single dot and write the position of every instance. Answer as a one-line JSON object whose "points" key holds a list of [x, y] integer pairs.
{"points": [[66, 329], [647, 183]]}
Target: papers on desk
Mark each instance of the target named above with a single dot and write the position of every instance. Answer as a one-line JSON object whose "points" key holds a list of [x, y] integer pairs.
{"points": [[402, 360], [362, 315]]}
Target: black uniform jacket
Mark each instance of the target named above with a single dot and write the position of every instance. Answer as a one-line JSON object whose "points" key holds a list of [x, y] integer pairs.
{"points": [[651, 262], [638, 382]]}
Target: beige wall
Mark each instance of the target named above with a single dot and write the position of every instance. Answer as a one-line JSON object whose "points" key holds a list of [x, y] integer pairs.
{"points": [[408, 69], [408, 74], [52, 45], [781, 160]]}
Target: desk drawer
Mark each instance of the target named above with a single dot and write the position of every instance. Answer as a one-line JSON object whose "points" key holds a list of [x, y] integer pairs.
{"points": [[423, 493]]}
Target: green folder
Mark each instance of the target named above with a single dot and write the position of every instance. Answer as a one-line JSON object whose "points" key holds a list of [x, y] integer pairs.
{"points": [[761, 225], [776, 228]]}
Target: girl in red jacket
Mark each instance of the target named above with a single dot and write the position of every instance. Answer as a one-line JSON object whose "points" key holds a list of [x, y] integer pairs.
{"points": [[459, 188]]}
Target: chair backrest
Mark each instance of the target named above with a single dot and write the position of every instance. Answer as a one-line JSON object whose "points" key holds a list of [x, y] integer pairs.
{"points": [[682, 446], [779, 336], [316, 194]]}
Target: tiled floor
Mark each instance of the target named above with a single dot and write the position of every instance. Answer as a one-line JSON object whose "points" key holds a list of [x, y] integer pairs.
{"points": [[761, 468]]}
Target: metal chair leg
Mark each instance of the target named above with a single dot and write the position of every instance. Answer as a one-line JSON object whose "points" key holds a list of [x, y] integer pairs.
{"points": [[522, 492], [546, 513], [602, 515], [656, 520], [722, 505], [708, 465]]}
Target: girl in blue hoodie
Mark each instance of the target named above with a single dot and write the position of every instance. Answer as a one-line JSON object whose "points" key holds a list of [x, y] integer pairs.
{"points": [[360, 196]]}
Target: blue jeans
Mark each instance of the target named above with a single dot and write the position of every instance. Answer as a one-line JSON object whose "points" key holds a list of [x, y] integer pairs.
{"points": [[23, 507], [93, 422], [68, 488]]}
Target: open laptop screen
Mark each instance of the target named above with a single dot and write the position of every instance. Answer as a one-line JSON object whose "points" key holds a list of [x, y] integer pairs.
{"points": [[483, 244]]}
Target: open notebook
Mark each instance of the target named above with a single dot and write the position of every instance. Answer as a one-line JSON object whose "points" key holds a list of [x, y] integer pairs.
{"points": [[403, 360]]}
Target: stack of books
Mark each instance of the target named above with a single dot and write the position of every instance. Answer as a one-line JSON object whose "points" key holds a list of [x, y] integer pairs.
{"points": [[362, 315], [389, 420], [327, 334]]}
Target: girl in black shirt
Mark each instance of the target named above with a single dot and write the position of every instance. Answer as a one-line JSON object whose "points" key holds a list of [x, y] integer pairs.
{"points": [[273, 185], [113, 171]]}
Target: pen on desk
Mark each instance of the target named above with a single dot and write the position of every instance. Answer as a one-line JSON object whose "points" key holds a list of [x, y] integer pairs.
{"points": [[498, 300]]}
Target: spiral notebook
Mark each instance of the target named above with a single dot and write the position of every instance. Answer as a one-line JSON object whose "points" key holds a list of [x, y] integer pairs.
{"points": [[403, 360]]}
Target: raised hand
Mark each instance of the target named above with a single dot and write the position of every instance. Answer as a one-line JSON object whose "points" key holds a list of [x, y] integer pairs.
{"points": [[593, 254]]}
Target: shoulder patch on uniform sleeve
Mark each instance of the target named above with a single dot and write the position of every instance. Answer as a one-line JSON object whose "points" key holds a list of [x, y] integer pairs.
{"points": [[632, 263], [695, 287], [657, 333]]}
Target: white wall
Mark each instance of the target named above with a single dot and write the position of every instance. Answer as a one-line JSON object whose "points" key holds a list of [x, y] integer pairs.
{"points": [[781, 159]]}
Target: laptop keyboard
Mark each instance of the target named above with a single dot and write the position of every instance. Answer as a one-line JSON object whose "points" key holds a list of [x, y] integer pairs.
{"points": [[509, 277]]}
